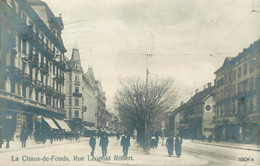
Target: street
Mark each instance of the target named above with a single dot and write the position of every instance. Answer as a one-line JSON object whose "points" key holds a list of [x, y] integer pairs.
{"points": [[78, 153]]}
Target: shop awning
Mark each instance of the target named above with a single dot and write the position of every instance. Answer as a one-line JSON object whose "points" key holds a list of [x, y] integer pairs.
{"points": [[88, 128], [106, 130], [50, 123], [63, 125]]}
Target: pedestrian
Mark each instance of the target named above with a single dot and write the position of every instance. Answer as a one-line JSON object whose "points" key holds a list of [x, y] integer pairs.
{"points": [[178, 142], [125, 142], [1, 139], [157, 141], [23, 137], [92, 143], [210, 138], [103, 143], [169, 144]]}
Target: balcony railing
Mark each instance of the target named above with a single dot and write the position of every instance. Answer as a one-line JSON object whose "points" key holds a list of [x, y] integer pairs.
{"points": [[33, 61], [44, 68], [77, 94]]}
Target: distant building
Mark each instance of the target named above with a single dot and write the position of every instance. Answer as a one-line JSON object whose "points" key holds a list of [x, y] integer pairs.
{"points": [[74, 88], [195, 116], [237, 96], [32, 67], [85, 99], [89, 98]]}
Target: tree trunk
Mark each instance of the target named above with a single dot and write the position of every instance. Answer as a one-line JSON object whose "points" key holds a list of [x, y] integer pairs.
{"points": [[147, 138]]}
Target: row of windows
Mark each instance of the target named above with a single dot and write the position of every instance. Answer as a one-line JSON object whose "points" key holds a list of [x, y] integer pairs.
{"points": [[229, 108], [30, 93], [244, 86], [236, 73]]}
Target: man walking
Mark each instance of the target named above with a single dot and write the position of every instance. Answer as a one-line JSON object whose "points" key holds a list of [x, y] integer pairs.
{"points": [[125, 142], [169, 144], [103, 143], [178, 142], [23, 138], [92, 143]]}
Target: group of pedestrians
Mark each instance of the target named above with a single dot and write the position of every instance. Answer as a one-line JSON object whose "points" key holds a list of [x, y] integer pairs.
{"points": [[171, 144], [103, 143]]}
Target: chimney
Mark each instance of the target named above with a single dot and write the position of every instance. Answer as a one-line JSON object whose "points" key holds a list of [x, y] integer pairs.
{"points": [[205, 86], [209, 84], [182, 103], [196, 91]]}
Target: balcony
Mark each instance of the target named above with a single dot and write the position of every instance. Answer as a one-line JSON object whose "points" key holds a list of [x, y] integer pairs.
{"points": [[44, 69], [48, 90], [59, 79], [38, 85], [77, 94], [33, 61], [26, 80], [16, 72], [62, 96], [56, 93]]}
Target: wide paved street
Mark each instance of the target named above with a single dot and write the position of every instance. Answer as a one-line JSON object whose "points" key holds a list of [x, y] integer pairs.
{"points": [[77, 153]]}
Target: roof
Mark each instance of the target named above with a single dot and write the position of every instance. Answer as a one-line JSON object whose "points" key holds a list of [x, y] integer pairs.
{"points": [[200, 96]]}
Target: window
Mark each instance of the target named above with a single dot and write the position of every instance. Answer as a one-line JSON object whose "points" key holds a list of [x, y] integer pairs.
{"points": [[77, 90], [76, 78], [239, 72], [234, 75], [69, 114], [245, 68], [76, 114], [251, 104], [252, 66], [76, 102], [252, 83]]}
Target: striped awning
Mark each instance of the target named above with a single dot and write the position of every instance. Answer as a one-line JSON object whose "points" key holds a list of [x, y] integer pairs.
{"points": [[50, 123]]}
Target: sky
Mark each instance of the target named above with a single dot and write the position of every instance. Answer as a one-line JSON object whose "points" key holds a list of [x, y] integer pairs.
{"points": [[189, 39]]}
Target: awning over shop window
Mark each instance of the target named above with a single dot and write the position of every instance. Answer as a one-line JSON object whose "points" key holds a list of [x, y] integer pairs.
{"points": [[103, 129], [63, 125], [50, 123], [90, 128]]}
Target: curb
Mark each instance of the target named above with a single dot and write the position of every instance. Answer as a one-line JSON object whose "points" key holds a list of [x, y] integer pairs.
{"points": [[228, 146], [40, 146]]}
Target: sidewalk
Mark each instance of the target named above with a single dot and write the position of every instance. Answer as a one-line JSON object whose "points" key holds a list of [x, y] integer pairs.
{"points": [[30, 144], [251, 147]]}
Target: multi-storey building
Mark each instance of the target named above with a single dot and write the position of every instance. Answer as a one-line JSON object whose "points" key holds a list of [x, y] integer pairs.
{"points": [[85, 100], [32, 66], [74, 89], [237, 96], [101, 112], [195, 116], [89, 97]]}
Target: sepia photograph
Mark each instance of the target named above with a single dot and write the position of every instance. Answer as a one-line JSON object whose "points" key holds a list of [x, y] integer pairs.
{"points": [[130, 82]]}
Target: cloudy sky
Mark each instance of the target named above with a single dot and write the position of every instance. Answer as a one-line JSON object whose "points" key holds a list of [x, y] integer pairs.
{"points": [[188, 38]]}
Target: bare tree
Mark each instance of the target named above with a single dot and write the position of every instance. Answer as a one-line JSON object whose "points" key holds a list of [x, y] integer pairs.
{"points": [[140, 103]]}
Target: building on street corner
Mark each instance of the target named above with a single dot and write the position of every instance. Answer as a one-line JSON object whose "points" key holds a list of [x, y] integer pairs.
{"points": [[237, 96], [74, 89], [32, 67]]}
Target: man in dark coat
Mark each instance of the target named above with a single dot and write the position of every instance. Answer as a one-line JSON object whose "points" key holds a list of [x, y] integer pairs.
{"points": [[178, 142], [1, 139], [169, 144], [92, 143], [103, 143], [125, 142], [23, 137]]}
